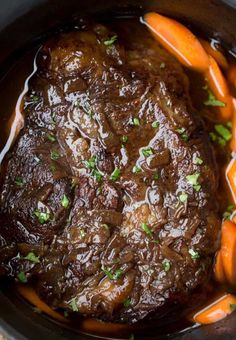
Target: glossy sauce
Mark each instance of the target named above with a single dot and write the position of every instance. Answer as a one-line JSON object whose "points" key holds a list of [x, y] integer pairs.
{"points": [[23, 69]]}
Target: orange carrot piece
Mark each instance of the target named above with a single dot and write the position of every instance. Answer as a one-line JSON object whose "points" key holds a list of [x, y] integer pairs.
{"points": [[178, 40], [228, 250], [231, 177], [216, 54], [219, 87], [233, 140], [30, 295], [231, 75], [218, 310], [219, 269]]}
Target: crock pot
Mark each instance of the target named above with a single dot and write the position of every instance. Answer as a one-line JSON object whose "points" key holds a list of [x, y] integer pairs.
{"points": [[22, 22]]}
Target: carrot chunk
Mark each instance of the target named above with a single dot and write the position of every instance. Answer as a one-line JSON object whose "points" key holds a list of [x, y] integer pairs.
{"points": [[216, 54], [228, 251], [218, 310], [219, 87], [219, 269], [231, 177], [178, 40], [233, 140]]}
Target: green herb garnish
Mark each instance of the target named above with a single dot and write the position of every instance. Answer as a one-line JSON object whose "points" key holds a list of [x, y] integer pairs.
{"points": [[197, 161], [32, 258], [51, 137], [155, 124], [115, 174], [82, 233], [118, 273], [136, 169], [42, 217], [182, 133], [19, 181], [91, 163], [127, 303], [223, 132], [166, 265], [162, 65], [65, 202], [147, 152], [73, 305], [146, 229], [227, 214], [110, 41], [155, 177], [124, 139], [194, 254], [212, 101], [135, 122], [55, 155], [193, 180], [22, 277], [34, 98], [183, 197]]}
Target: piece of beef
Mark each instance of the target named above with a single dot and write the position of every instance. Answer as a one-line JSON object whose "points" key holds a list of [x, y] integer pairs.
{"points": [[112, 180]]}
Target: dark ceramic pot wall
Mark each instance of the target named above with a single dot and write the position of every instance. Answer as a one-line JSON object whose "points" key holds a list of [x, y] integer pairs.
{"points": [[21, 23]]}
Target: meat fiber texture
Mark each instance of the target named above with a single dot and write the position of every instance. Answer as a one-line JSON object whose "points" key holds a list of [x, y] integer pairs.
{"points": [[112, 182]]}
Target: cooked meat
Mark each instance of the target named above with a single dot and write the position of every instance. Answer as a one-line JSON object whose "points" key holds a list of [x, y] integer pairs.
{"points": [[111, 183]]}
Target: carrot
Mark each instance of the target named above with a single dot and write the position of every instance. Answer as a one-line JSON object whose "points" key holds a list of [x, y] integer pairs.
{"points": [[228, 251], [219, 269], [178, 40], [231, 75], [30, 295], [219, 87], [231, 177], [216, 54], [233, 140], [218, 310]]}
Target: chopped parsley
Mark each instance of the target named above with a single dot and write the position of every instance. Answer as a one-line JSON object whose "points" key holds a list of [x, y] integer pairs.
{"points": [[147, 152], [223, 132], [166, 265], [55, 155], [51, 137], [212, 101], [110, 41], [42, 217], [155, 124], [197, 161], [135, 121], [115, 175], [227, 214], [127, 302], [91, 164], [124, 139], [182, 133], [146, 229], [155, 177], [34, 98], [73, 305], [32, 258], [136, 169], [193, 180], [183, 197], [19, 181], [194, 254], [22, 277], [65, 202], [232, 306], [217, 139], [117, 274]]}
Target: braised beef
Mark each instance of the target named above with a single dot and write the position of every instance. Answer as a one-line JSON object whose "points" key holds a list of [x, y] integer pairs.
{"points": [[111, 183]]}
